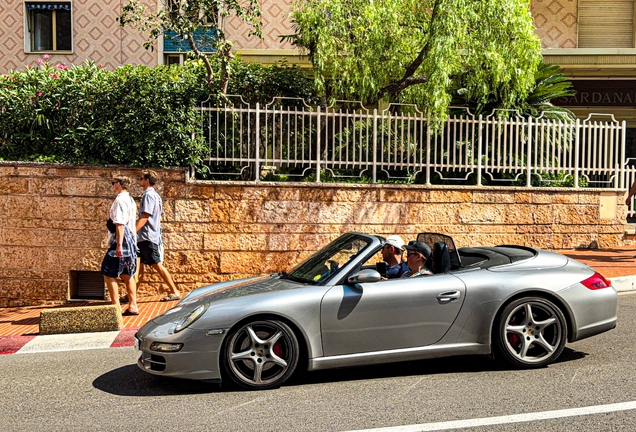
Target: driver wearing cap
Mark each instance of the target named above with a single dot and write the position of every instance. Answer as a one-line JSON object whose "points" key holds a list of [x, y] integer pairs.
{"points": [[392, 254]]}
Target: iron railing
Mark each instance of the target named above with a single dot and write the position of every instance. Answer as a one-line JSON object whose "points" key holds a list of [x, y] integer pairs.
{"points": [[287, 138]]}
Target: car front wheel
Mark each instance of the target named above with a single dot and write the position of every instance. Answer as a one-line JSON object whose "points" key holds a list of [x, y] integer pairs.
{"points": [[532, 332], [261, 354]]}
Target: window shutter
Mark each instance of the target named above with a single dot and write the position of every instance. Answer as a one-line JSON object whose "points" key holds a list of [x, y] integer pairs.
{"points": [[606, 24]]}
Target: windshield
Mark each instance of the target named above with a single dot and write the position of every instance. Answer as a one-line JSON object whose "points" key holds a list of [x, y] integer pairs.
{"points": [[327, 261]]}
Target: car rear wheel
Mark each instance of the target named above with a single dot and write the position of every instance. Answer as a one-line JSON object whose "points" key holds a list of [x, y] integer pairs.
{"points": [[261, 354], [532, 332]]}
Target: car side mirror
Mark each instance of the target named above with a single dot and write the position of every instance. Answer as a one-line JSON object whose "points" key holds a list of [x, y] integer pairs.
{"points": [[364, 276], [381, 267]]}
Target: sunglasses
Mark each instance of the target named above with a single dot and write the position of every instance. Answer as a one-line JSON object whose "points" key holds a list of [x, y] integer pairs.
{"points": [[412, 254], [142, 178]]}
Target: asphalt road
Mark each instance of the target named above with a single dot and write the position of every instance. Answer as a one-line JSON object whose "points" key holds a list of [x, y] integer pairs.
{"points": [[104, 390]]}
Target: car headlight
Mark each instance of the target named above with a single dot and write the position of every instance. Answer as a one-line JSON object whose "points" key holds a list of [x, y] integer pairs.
{"points": [[192, 317]]}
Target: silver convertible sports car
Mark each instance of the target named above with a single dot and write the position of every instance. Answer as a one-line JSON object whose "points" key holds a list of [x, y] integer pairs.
{"points": [[336, 309]]}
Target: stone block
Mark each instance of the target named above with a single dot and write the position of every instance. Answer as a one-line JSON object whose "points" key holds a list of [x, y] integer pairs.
{"points": [[14, 185], [446, 196], [235, 242], [176, 190], [542, 197], [53, 207], [195, 191], [493, 197], [523, 197], [80, 319], [485, 213], [20, 205], [284, 211], [404, 195], [192, 210], [183, 241], [36, 170], [45, 186], [86, 187]]}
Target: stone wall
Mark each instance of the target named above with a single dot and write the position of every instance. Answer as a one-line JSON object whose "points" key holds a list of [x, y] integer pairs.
{"points": [[53, 221]]}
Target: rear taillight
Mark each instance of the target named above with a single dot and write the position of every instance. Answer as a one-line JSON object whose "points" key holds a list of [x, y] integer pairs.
{"points": [[596, 281]]}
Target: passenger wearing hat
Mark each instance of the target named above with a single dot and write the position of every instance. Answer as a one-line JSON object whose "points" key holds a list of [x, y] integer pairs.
{"points": [[392, 254], [418, 259]]}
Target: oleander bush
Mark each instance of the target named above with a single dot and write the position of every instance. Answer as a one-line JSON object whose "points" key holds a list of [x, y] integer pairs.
{"points": [[134, 115]]}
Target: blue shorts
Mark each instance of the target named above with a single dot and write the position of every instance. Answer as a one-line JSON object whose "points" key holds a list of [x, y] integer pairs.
{"points": [[110, 264]]}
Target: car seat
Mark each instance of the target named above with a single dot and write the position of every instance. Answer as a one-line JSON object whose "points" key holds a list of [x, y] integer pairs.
{"points": [[441, 258]]}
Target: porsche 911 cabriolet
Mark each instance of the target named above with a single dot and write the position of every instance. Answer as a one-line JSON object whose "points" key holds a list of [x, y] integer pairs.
{"points": [[336, 309]]}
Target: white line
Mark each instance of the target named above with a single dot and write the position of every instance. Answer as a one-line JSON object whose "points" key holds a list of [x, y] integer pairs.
{"points": [[69, 342], [518, 418]]}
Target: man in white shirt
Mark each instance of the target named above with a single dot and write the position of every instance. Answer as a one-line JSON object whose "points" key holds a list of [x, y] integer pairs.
{"points": [[120, 260]]}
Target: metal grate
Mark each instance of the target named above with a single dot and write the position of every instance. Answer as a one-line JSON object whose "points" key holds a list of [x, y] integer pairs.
{"points": [[87, 285]]}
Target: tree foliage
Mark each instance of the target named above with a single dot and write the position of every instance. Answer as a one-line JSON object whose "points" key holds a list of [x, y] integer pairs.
{"points": [[550, 84], [415, 50], [187, 17]]}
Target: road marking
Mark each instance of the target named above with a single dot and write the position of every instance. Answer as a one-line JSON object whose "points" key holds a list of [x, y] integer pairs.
{"points": [[518, 418], [69, 342]]}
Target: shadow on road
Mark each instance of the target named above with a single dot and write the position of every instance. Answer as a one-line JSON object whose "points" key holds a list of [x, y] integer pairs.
{"points": [[448, 365], [131, 381]]}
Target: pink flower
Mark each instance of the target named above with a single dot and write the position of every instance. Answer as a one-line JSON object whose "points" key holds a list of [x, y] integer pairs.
{"points": [[54, 76], [4, 143], [46, 57], [39, 61], [39, 94], [61, 66]]}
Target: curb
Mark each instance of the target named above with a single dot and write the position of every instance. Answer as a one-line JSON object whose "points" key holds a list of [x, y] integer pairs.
{"points": [[29, 344], [624, 283]]}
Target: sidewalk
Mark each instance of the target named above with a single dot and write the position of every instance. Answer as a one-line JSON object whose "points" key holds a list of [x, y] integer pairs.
{"points": [[617, 264], [25, 321]]}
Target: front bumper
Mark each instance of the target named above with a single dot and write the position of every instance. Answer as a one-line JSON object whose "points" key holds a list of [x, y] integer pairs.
{"points": [[198, 359]]}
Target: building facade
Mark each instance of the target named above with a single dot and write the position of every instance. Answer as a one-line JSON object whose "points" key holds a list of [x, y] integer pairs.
{"points": [[592, 40], [74, 31]]}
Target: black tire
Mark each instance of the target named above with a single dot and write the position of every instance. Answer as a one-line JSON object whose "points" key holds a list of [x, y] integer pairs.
{"points": [[531, 333], [260, 354]]}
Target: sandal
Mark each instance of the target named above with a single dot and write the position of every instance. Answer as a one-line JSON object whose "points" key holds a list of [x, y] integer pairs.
{"points": [[130, 313], [171, 297]]}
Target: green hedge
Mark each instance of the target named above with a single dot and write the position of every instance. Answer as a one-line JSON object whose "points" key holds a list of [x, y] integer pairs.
{"points": [[130, 116]]}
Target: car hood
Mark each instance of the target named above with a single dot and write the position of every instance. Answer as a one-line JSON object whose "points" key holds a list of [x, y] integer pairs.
{"points": [[216, 293]]}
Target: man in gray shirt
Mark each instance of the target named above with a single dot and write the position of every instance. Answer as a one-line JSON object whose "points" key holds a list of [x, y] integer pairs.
{"points": [[149, 232]]}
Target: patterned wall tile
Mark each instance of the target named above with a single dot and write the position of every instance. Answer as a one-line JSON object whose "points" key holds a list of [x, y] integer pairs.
{"points": [[555, 22], [276, 22], [96, 37]]}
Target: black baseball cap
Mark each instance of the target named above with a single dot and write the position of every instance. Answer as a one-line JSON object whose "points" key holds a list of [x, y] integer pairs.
{"points": [[420, 247]]}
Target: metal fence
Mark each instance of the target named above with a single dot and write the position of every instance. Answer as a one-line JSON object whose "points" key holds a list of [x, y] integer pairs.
{"points": [[288, 139]]}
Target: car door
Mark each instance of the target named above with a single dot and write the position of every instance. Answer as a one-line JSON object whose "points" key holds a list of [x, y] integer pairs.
{"points": [[387, 315]]}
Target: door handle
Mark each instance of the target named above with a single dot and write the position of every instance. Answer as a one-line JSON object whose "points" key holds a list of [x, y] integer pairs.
{"points": [[447, 297]]}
